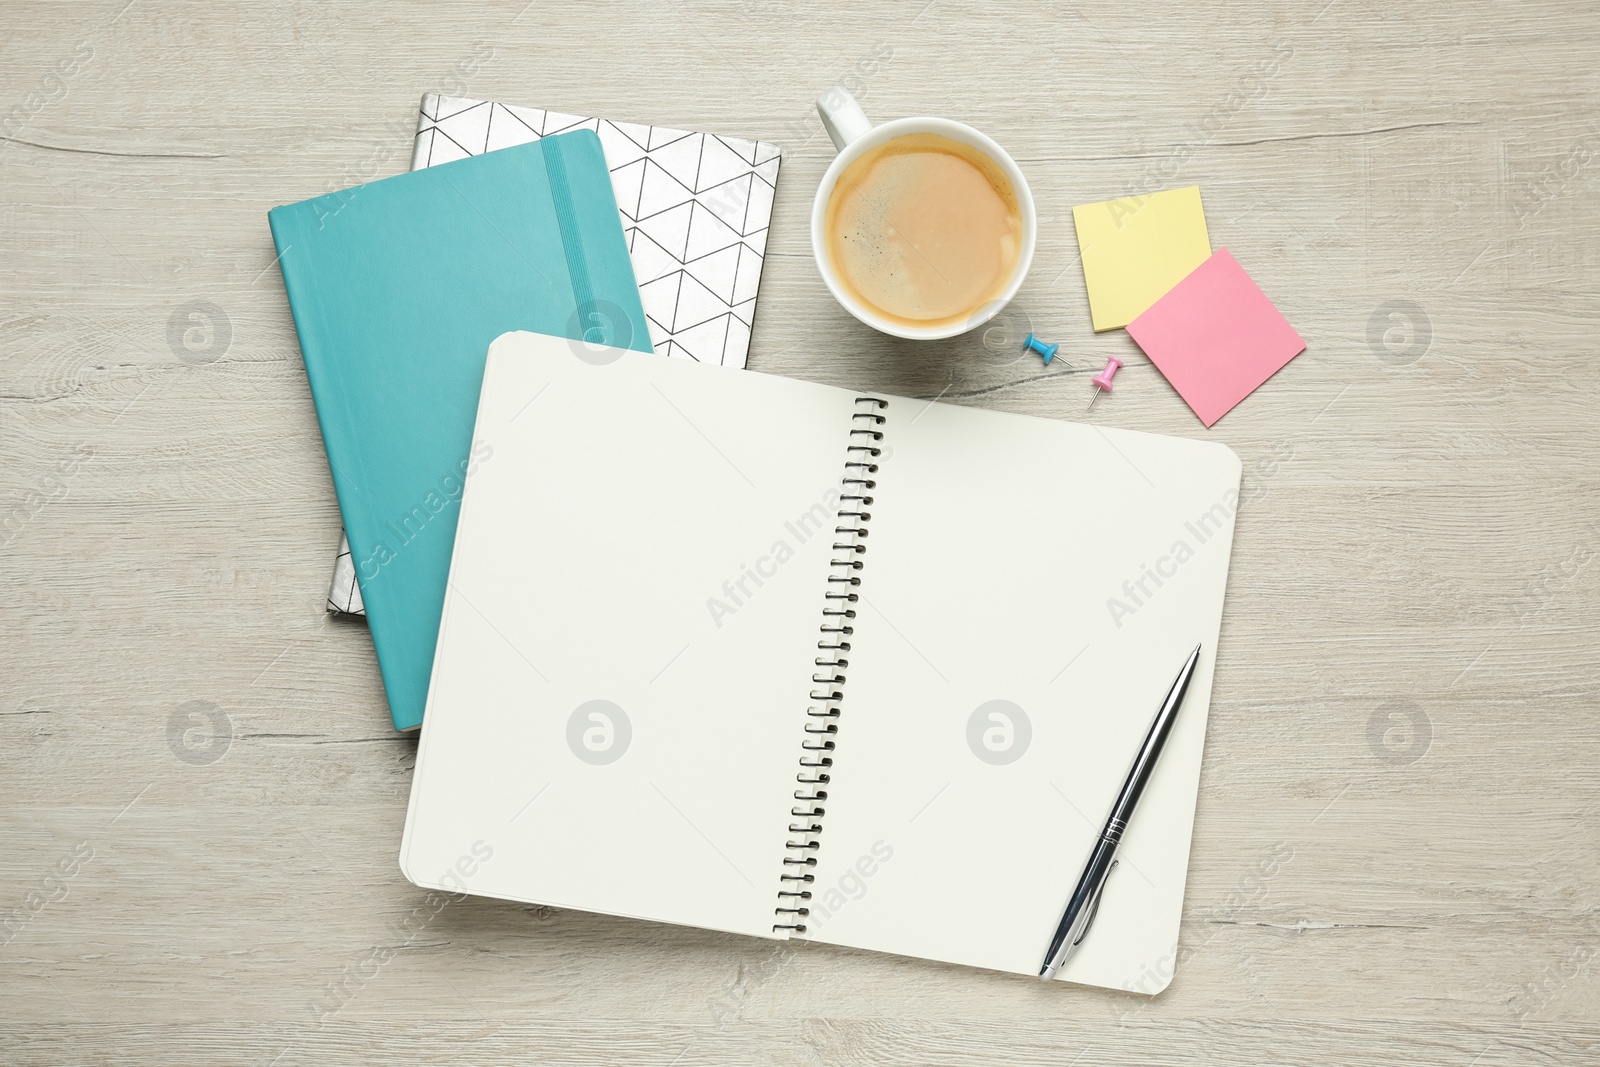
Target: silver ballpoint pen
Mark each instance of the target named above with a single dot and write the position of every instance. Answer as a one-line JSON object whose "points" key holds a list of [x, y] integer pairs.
{"points": [[1085, 899]]}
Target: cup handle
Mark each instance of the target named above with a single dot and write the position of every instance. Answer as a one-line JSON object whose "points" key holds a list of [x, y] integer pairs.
{"points": [[842, 117]]}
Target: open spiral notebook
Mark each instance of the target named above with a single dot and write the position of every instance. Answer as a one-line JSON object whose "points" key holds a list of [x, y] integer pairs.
{"points": [[799, 662]]}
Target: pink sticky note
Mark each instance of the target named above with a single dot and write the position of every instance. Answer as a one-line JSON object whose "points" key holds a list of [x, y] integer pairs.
{"points": [[1216, 337]]}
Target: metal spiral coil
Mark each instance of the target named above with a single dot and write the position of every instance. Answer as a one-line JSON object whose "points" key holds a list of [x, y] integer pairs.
{"points": [[833, 661]]}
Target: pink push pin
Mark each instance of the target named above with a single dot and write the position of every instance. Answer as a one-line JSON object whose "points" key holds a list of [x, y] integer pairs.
{"points": [[1103, 379]]}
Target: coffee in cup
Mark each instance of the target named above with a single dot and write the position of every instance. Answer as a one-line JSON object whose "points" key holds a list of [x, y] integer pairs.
{"points": [[924, 230], [922, 227]]}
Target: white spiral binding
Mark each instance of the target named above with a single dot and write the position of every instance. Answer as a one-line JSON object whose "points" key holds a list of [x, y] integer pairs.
{"points": [[832, 661]]}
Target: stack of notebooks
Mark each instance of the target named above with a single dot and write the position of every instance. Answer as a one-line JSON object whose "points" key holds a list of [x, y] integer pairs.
{"points": [[696, 645]]}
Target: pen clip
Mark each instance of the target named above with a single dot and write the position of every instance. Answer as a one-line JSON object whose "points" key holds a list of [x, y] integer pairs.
{"points": [[1094, 908]]}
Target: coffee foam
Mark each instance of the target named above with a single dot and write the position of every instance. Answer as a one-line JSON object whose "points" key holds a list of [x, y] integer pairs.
{"points": [[924, 230]]}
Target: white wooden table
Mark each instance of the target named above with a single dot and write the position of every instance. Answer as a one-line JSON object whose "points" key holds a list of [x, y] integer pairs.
{"points": [[1404, 731]]}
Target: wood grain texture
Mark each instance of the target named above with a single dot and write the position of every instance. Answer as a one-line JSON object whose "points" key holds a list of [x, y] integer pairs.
{"points": [[1406, 705]]}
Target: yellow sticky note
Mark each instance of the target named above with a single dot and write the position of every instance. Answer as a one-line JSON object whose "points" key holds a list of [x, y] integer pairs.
{"points": [[1137, 249]]}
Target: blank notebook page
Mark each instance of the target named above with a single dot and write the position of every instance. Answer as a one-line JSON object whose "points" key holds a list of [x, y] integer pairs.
{"points": [[610, 505], [997, 547]]}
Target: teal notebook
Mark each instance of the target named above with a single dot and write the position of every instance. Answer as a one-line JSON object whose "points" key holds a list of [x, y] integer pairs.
{"points": [[397, 290]]}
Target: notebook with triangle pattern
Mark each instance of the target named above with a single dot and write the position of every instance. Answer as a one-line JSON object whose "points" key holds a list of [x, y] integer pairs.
{"points": [[695, 210]]}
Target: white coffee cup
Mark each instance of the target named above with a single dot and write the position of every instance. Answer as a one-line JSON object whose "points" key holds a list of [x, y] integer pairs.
{"points": [[854, 135]]}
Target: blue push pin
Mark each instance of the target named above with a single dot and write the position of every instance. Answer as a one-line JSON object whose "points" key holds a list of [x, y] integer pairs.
{"points": [[1047, 351]]}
